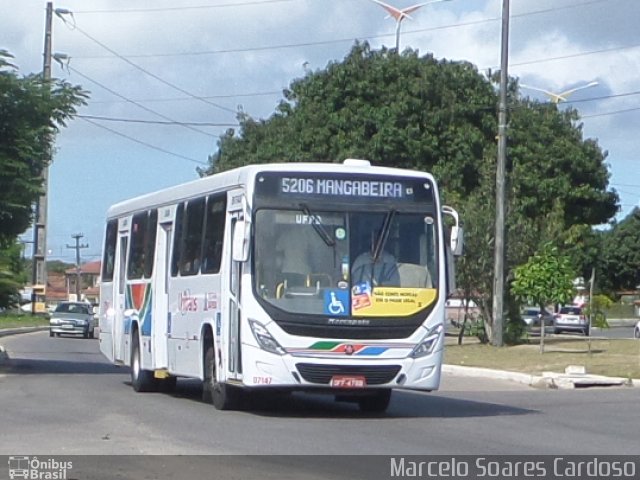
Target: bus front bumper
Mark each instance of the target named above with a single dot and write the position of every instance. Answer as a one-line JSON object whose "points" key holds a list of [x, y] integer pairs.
{"points": [[302, 373]]}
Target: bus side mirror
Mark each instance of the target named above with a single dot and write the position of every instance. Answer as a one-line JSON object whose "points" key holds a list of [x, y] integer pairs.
{"points": [[240, 243], [457, 240], [457, 232]]}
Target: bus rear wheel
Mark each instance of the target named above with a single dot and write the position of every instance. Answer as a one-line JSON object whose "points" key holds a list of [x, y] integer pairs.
{"points": [[376, 402], [222, 395]]}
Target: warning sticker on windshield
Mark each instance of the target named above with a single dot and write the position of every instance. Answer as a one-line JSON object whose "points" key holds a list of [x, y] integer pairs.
{"points": [[391, 301]]}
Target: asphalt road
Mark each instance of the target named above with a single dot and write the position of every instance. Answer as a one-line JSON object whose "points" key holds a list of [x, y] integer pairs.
{"points": [[613, 332], [60, 397]]}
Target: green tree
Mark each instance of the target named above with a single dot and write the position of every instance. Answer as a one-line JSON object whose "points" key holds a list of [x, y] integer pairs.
{"points": [[434, 115], [395, 110], [546, 278], [32, 111], [621, 254], [596, 310], [11, 276]]}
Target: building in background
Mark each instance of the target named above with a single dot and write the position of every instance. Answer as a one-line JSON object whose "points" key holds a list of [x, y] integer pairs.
{"points": [[89, 277]]}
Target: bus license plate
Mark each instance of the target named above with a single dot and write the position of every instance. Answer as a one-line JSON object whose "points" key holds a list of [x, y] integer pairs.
{"points": [[343, 381]]}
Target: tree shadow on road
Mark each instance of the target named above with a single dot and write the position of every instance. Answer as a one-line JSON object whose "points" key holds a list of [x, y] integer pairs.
{"points": [[403, 405]]}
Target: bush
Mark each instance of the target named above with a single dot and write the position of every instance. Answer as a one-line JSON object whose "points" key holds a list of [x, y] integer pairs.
{"points": [[514, 331]]}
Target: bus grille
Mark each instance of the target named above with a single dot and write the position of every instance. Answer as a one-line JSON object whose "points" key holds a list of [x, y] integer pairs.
{"points": [[374, 374]]}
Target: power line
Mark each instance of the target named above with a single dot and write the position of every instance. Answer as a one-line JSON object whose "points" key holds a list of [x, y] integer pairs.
{"points": [[573, 55], [181, 99], [239, 49], [151, 74], [154, 147], [604, 114], [626, 185], [604, 97], [147, 109], [156, 122], [341, 40], [194, 7]]}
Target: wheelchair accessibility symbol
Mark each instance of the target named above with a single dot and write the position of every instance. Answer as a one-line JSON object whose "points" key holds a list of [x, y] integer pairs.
{"points": [[335, 302]]}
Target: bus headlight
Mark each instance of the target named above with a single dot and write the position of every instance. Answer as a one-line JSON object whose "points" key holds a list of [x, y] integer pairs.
{"points": [[264, 338], [426, 346]]}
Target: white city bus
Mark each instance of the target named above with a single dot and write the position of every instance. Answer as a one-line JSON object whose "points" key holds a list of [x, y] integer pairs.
{"points": [[284, 277]]}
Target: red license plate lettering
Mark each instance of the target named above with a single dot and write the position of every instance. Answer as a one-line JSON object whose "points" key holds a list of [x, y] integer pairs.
{"points": [[344, 381]]}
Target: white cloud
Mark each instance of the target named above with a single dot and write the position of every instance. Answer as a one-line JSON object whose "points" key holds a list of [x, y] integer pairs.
{"points": [[116, 168]]}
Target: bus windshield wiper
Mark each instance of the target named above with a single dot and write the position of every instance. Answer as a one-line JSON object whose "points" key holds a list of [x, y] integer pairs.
{"points": [[382, 236], [318, 226]]}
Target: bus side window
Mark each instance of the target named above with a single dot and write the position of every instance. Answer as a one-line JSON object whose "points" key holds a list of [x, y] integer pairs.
{"points": [[192, 238], [150, 243], [135, 268], [177, 240], [108, 260], [214, 233]]}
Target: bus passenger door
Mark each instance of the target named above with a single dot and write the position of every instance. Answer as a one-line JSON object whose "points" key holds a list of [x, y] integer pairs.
{"points": [[233, 276], [161, 296], [119, 279]]}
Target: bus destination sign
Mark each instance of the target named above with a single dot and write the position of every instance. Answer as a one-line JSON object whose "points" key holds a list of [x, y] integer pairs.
{"points": [[342, 187]]}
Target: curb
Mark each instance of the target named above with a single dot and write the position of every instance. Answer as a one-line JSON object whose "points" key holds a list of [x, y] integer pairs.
{"points": [[548, 380], [461, 371], [17, 330]]}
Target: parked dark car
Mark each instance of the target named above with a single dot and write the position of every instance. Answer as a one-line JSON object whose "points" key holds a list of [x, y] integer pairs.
{"points": [[571, 319], [532, 316], [73, 318]]}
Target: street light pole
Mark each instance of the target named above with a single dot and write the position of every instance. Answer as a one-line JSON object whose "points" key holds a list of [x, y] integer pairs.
{"points": [[499, 253], [77, 248], [562, 96], [399, 14], [39, 267]]}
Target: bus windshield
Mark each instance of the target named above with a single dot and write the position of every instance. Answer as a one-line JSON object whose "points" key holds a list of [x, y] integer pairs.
{"points": [[345, 263]]}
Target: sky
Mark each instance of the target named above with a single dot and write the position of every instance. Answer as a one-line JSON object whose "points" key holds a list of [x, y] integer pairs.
{"points": [[167, 77]]}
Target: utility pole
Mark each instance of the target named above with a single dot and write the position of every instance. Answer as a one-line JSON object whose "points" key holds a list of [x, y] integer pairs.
{"points": [[77, 248], [499, 255], [39, 269]]}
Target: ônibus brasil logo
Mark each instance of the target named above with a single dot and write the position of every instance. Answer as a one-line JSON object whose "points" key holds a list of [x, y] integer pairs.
{"points": [[32, 468]]}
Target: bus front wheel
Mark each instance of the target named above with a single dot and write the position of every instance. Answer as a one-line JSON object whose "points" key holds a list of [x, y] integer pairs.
{"points": [[222, 395], [141, 380]]}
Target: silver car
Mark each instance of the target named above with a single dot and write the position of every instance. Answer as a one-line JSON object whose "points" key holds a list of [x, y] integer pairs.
{"points": [[571, 319], [73, 318]]}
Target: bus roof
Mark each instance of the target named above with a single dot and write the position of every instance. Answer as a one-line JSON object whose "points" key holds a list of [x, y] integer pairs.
{"points": [[242, 176]]}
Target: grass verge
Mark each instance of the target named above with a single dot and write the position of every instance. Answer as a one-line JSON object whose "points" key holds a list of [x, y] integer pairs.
{"points": [[17, 320], [609, 357]]}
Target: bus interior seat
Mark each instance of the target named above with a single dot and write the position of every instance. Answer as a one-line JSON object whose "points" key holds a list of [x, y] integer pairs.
{"points": [[320, 279], [414, 276]]}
